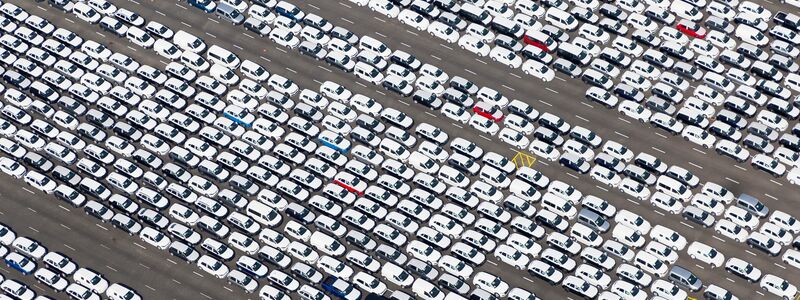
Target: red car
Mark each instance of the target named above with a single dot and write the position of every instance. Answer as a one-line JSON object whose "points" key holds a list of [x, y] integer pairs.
{"points": [[691, 29], [540, 40], [350, 182], [488, 111]]}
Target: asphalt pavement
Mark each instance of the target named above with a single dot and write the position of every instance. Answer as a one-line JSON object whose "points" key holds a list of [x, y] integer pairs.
{"points": [[103, 246]]}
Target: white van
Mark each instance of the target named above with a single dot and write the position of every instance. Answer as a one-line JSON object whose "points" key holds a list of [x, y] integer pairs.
{"points": [[494, 176], [792, 81], [685, 10], [194, 61], [326, 244], [368, 43], [559, 206], [223, 57], [561, 19], [263, 213], [188, 42], [426, 290], [453, 177], [368, 72], [393, 150], [673, 188]]}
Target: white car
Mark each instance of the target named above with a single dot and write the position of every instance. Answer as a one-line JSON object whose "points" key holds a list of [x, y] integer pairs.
{"points": [[413, 19], [443, 31], [384, 7], [474, 44], [668, 237], [506, 57], [706, 254], [634, 110], [537, 69], [513, 138], [778, 286], [483, 124], [284, 37]]}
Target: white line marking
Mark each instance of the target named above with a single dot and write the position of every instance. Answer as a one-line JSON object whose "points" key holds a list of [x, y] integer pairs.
{"points": [[551, 90], [290, 70], [247, 35], [661, 135], [31, 209], [404, 44], [620, 134], [346, 20], [719, 239], [172, 261], [659, 150], [582, 118], [508, 87], [446, 47], [771, 196], [572, 175], [69, 20], [181, 6], [602, 188], [587, 104], [345, 5], [198, 274], [237, 47], [379, 19], [731, 280], [29, 191], [40, 288], [317, 81], [515, 75], [34, 229], [264, 58], [468, 71], [687, 225], [559, 78], [623, 120], [361, 84], [435, 57], [631, 201], [160, 13], [313, 6], [751, 253], [695, 165], [485, 138], [143, 266], [430, 114], [149, 287], [775, 182], [212, 20], [411, 32], [207, 296], [381, 34], [740, 168], [324, 68], [68, 247], [187, 25], [760, 293], [137, 3], [65, 226], [779, 266], [175, 281], [100, 34], [698, 151], [101, 227], [140, 246], [699, 266], [406, 103], [105, 247], [112, 269], [129, 47], [42, 8], [480, 61], [731, 180], [544, 163], [227, 288], [281, 50], [659, 212], [545, 103], [491, 262], [456, 125], [379, 92]]}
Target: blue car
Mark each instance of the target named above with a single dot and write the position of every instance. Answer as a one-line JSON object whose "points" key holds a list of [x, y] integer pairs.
{"points": [[20, 263], [290, 11], [334, 141], [206, 5], [239, 115], [340, 288]]}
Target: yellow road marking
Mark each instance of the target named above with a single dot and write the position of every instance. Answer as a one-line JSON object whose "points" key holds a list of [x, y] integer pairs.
{"points": [[522, 159]]}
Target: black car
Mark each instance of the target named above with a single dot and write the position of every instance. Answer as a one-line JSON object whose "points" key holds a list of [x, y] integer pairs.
{"points": [[300, 213], [370, 123], [609, 162], [66, 175], [614, 12], [574, 162], [16, 79], [396, 87], [719, 24], [147, 159], [659, 15], [698, 216], [452, 20], [71, 106], [427, 99], [783, 63], [307, 112], [462, 163], [788, 20], [567, 67], [175, 172], [38, 162], [463, 85], [555, 33], [422, 269], [723, 132], [182, 251], [127, 131], [343, 34], [628, 92], [256, 26]]}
